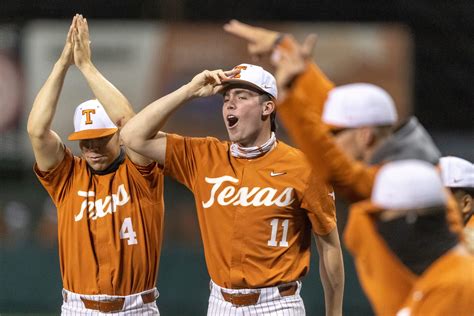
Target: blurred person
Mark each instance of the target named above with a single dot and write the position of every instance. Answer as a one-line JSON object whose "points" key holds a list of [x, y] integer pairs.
{"points": [[363, 120], [47, 228], [458, 176], [109, 201], [407, 212], [17, 219], [305, 90], [256, 197]]}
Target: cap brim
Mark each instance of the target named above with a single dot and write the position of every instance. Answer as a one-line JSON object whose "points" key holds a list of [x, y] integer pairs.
{"points": [[92, 133], [241, 82]]}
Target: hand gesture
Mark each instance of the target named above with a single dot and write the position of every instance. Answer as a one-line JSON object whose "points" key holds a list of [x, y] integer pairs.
{"points": [[260, 41], [208, 82], [290, 59], [66, 59], [82, 50]]}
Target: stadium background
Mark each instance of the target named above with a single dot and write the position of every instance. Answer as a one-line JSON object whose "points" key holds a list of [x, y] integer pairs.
{"points": [[420, 51]]}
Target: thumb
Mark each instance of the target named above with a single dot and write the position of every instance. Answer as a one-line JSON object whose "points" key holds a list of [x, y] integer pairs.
{"points": [[309, 44]]}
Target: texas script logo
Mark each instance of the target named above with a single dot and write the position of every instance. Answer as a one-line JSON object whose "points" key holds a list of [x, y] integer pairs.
{"points": [[244, 196], [101, 207]]}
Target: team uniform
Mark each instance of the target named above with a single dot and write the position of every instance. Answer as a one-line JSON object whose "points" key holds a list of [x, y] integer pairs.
{"points": [[445, 288], [384, 278], [301, 114], [256, 217], [110, 231]]}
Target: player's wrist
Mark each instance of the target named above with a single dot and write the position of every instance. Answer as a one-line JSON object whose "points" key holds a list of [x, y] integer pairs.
{"points": [[189, 91], [62, 65], [85, 66]]}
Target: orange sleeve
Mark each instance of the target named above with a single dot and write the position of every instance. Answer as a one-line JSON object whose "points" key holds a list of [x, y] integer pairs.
{"points": [[384, 279], [318, 201], [300, 112], [184, 155], [58, 180]]}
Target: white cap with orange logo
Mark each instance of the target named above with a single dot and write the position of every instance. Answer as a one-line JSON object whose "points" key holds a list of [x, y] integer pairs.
{"points": [[91, 121], [256, 77]]}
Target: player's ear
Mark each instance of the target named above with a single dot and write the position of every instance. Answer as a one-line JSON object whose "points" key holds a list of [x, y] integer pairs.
{"points": [[367, 136], [466, 204], [268, 107]]}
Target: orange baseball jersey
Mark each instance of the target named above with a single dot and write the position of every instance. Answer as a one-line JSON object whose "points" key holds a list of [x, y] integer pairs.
{"points": [[255, 215], [445, 288], [109, 226], [384, 278]]}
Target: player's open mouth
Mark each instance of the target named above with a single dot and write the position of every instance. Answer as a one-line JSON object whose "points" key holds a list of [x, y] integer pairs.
{"points": [[232, 120]]}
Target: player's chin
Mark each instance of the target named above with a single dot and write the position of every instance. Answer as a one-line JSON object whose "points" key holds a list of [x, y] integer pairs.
{"points": [[97, 166], [233, 137]]}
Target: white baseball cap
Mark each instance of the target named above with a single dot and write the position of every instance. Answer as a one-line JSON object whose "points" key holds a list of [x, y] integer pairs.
{"points": [[358, 105], [408, 184], [456, 172], [91, 121], [257, 77]]}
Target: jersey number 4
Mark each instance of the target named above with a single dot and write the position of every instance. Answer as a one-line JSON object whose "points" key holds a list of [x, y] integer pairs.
{"points": [[273, 242], [127, 232]]}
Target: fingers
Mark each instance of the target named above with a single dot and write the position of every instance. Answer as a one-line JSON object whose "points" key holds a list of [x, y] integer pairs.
{"points": [[240, 29], [230, 73], [215, 77], [70, 32], [308, 45], [86, 25]]}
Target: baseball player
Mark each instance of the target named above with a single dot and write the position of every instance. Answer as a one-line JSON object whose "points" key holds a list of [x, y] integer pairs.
{"points": [[458, 176], [407, 209], [109, 201], [306, 90], [256, 197]]}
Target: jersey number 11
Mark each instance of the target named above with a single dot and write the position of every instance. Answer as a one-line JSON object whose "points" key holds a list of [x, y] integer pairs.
{"points": [[273, 242]]}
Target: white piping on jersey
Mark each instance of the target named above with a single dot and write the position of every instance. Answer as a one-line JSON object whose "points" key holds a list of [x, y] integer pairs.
{"points": [[244, 196], [102, 206]]}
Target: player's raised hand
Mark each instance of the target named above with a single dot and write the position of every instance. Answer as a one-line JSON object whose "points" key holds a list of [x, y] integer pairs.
{"points": [[260, 41], [66, 59], [209, 82], [82, 50], [291, 58]]}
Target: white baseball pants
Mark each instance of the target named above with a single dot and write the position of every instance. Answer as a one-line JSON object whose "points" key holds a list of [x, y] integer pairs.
{"points": [[75, 304], [270, 302]]}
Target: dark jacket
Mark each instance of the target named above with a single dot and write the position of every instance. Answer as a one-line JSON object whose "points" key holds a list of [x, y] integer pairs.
{"points": [[409, 141]]}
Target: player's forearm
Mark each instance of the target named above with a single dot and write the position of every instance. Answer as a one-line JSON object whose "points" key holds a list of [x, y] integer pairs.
{"points": [[44, 106], [333, 280], [300, 112], [148, 122], [115, 103]]}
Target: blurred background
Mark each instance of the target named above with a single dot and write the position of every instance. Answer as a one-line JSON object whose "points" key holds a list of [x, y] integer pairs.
{"points": [[421, 52]]}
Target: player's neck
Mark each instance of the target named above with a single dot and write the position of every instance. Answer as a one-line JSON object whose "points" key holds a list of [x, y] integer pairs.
{"points": [[256, 141], [239, 151]]}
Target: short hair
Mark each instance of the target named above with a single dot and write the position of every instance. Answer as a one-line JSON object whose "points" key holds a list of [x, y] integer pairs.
{"points": [[463, 190], [264, 97]]}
